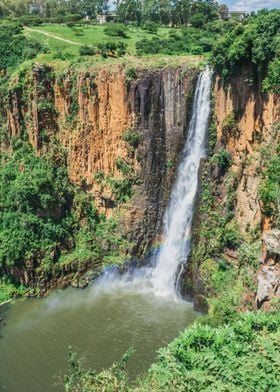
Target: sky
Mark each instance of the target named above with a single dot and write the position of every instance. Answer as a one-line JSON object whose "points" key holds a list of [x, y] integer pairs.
{"points": [[250, 5]]}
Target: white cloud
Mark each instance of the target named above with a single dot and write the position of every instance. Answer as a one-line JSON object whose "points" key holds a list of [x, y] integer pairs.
{"points": [[253, 5]]}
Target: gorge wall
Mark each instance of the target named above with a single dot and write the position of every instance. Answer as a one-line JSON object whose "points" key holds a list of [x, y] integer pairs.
{"points": [[122, 133], [243, 137]]}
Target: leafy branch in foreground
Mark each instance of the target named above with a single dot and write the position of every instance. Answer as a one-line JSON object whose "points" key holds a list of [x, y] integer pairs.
{"points": [[80, 378]]}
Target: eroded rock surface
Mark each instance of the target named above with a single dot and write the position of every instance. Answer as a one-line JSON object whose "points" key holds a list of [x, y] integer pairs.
{"points": [[269, 272]]}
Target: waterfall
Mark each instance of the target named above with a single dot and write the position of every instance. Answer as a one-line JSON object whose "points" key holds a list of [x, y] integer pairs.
{"points": [[160, 281], [179, 213]]}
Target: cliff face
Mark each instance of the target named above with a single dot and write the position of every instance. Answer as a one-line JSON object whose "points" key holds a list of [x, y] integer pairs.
{"points": [[254, 114], [243, 120], [89, 113], [269, 271]]}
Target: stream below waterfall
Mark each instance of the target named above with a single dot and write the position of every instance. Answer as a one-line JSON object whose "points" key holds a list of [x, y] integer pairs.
{"points": [[141, 310]]}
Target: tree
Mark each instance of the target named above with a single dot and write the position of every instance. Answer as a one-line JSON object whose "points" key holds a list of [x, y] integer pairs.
{"points": [[130, 10], [223, 12]]}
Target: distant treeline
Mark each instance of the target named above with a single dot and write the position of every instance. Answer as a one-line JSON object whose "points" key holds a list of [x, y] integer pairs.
{"points": [[164, 12]]}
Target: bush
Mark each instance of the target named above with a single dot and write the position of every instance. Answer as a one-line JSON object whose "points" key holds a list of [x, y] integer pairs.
{"points": [[151, 27], [131, 137], [229, 125], [146, 46], [131, 74], [270, 187], [116, 30], [272, 81], [191, 40], [198, 20], [222, 159], [231, 236], [87, 50], [123, 166], [236, 357], [60, 53], [31, 20], [112, 49]]}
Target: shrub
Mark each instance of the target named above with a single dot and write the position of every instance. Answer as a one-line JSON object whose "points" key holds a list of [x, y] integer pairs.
{"points": [[87, 50], [60, 53], [146, 46], [151, 27], [121, 49], [130, 75], [231, 235], [116, 30], [111, 49], [222, 159], [196, 49], [30, 20], [123, 166], [131, 137], [229, 125], [272, 81]]}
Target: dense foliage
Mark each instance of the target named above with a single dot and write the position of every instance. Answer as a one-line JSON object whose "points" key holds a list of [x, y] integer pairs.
{"points": [[46, 220], [242, 356], [254, 42], [187, 40], [115, 30], [35, 199], [183, 12], [14, 47]]}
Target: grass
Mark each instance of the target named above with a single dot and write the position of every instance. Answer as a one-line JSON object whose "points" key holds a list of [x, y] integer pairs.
{"points": [[93, 35]]}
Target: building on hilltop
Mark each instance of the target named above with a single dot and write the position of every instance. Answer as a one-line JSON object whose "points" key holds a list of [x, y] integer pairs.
{"points": [[106, 17], [237, 15]]}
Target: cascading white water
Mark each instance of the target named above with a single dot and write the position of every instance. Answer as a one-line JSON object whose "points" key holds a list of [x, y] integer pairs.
{"points": [[178, 216]]}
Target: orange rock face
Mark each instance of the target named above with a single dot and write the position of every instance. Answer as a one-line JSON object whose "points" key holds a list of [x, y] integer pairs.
{"points": [[255, 113], [89, 111]]}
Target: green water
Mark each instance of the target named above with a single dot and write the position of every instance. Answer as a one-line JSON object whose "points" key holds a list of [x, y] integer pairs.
{"points": [[101, 322]]}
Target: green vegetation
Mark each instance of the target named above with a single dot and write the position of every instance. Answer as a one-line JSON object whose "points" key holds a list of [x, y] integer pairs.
{"points": [[270, 186], [116, 30], [46, 220], [151, 27], [129, 136], [8, 290], [61, 28], [237, 357], [222, 159], [112, 49], [186, 40], [242, 356], [15, 48], [229, 125], [254, 42], [87, 50], [49, 223]]}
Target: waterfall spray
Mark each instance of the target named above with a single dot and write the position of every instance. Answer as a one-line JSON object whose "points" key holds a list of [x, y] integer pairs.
{"points": [[179, 213]]}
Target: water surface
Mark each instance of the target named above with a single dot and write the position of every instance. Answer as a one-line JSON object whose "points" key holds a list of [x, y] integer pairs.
{"points": [[102, 322]]}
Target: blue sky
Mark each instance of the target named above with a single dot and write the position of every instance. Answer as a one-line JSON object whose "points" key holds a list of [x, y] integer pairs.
{"points": [[250, 5]]}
